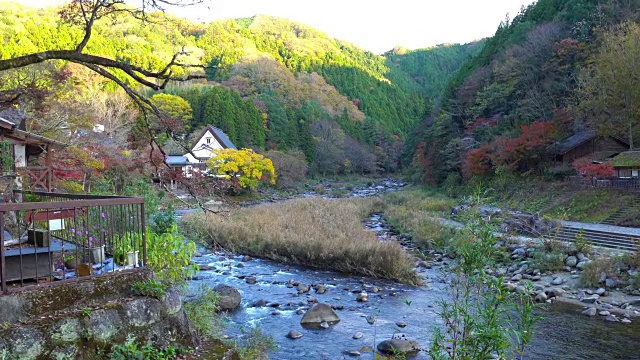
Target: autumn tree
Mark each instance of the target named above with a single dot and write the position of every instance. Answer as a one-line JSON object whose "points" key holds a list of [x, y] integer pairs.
{"points": [[610, 88], [244, 169]]}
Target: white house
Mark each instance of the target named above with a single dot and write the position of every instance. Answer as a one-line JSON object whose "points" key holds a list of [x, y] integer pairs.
{"points": [[204, 147]]}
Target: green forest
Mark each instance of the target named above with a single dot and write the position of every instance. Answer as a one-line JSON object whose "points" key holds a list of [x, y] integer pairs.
{"points": [[543, 76], [272, 84], [448, 113]]}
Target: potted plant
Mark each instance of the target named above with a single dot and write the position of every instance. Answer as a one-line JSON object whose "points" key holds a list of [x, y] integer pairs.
{"points": [[125, 253], [96, 250], [71, 262]]}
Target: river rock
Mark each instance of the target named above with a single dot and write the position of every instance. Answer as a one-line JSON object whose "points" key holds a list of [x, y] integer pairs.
{"points": [[206, 267], [571, 261], [320, 313], [557, 281], [601, 291], [371, 319], [259, 303], [516, 277], [247, 258], [230, 297], [590, 299], [582, 263], [320, 289], [302, 288], [604, 313], [541, 297], [363, 297], [239, 265], [353, 353], [590, 312], [324, 325], [399, 344], [251, 280], [610, 283], [580, 256], [625, 321], [602, 277], [294, 334], [611, 318], [358, 335], [401, 324]]}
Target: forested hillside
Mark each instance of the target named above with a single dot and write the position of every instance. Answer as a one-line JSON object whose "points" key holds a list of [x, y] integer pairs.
{"points": [[525, 89], [431, 68], [272, 84]]}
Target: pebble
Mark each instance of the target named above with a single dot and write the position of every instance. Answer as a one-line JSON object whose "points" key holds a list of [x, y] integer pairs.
{"points": [[358, 335]]}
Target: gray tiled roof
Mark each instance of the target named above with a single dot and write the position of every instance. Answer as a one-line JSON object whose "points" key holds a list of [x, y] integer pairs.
{"points": [[226, 142], [177, 160]]}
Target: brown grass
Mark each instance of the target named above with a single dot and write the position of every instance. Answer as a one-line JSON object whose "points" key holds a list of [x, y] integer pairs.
{"points": [[325, 234]]}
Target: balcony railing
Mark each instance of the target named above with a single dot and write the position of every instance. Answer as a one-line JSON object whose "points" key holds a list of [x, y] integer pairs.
{"points": [[50, 236]]}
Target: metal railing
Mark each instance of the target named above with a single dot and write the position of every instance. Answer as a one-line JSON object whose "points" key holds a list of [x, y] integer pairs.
{"points": [[612, 183], [51, 236]]}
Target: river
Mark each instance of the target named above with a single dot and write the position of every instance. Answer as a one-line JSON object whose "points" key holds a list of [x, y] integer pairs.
{"points": [[562, 334]]}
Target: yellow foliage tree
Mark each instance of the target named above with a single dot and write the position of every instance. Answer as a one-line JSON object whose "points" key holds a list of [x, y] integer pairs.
{"points": [[244, 167]]}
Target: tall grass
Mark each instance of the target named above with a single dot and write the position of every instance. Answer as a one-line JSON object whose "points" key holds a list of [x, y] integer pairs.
{"points": [[326, 234], [416, 212]]}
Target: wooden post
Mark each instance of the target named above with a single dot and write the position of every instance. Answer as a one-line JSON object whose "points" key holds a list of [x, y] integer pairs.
{"points": [[48, 174], [3, 270]]}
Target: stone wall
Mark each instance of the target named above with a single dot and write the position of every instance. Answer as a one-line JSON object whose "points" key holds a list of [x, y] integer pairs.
{"points": [[83, 319]]}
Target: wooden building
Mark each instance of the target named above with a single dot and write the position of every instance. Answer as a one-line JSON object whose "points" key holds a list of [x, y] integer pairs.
{"points": [[627, 165], [18, 151], [585, 143]]}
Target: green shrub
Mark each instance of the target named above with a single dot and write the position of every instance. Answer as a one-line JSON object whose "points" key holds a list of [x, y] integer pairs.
{"points": [[169, 256], [132, 351], [202, 313], [254, 344], [150, 288], [163, 221], [482, 320]]}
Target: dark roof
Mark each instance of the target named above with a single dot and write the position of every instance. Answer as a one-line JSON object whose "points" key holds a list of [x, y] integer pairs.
{"points": [[573, 141], [13, 115], [627, 159], [220, 136]]}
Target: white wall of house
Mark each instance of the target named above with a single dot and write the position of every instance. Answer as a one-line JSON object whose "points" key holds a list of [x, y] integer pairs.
{"points": [[204, 147]]}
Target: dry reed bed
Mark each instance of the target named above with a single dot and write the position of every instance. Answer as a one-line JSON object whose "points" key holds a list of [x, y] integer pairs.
{"points": [[325, 234]]}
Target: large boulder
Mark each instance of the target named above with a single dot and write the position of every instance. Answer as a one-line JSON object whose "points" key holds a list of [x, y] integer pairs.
{"points": [[318, 314], [230, 297], [399, 344]]}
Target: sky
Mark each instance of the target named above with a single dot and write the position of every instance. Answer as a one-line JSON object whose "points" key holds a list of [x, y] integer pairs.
{"points": [[373, 25]]}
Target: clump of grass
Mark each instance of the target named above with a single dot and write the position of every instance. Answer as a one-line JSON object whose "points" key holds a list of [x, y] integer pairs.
{"points": [[416, 213], [592, 270], [320, 233]]}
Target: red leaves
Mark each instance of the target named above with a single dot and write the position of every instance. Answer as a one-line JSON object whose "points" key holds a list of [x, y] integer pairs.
{"points": [[589, 169], [521, 153]]}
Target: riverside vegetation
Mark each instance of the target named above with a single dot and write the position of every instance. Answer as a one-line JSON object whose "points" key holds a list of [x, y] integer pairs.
{"points": [[319, 233]]}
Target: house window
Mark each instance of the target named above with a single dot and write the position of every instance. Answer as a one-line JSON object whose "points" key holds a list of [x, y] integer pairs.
{"points": [[208, 140]]}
